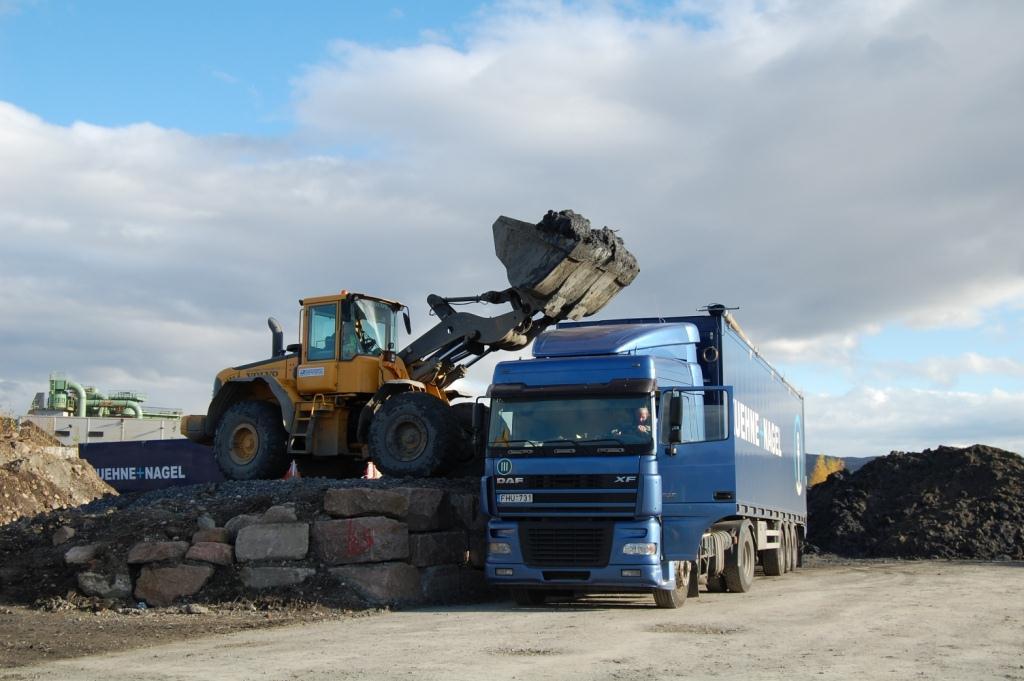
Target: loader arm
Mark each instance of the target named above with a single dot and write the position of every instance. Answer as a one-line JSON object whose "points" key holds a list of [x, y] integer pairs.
{"points": [[558, 269]]}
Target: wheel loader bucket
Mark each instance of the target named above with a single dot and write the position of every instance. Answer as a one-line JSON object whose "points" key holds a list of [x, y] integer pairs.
{"points": [[562, 266]]}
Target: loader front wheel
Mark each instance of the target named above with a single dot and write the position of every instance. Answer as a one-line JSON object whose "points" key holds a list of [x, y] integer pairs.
{"points": [[250, 442], [414, 435]]}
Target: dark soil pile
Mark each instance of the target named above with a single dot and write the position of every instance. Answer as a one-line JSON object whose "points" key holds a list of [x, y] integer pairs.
{"points": [[946, 502]]}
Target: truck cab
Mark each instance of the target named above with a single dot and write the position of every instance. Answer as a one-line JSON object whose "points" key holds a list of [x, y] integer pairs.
{"points": [[612, 464]]}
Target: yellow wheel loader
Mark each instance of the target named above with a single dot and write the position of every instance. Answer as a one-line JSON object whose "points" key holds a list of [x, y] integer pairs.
{"points": [[344, 395]]}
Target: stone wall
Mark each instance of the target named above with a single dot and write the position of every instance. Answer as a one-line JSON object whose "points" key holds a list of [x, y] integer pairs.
{"points": [[363, 547]]}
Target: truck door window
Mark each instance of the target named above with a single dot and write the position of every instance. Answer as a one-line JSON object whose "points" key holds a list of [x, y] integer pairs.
{"points": [[705, 415], [321, 330]]}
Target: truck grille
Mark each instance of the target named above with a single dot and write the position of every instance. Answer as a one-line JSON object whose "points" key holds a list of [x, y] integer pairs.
{"points": [[565, 544]]}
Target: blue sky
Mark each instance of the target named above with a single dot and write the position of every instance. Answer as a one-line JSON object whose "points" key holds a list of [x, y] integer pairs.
{"points": [[847, 173]]}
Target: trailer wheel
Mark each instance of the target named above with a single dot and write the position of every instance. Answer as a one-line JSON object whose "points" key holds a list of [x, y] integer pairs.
{"points": [[528, 597], [773, 560], [414, 435], [338, 467], [675, 598], [739, 564], [250, 442], [716, 583], [787, 547], [795, 549]]}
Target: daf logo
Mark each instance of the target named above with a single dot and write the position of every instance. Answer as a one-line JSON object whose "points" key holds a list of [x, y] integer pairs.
{"points": [[504, 466], [510, 481], [625, 478]]}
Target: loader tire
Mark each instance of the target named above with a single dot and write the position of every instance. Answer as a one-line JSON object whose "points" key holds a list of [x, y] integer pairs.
{"points": [[415, 435], [250, 442], [739, 564]]}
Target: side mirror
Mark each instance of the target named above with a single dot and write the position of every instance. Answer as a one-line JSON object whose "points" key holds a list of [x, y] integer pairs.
{"points": [[408, 323], [675, 419], [479, 425]]}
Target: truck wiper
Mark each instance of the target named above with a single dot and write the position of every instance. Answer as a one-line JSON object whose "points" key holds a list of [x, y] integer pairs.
{"points": [[600, 440]]}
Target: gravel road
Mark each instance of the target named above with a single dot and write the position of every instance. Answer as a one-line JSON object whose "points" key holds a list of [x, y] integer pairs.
{"points": [[863, 620]]}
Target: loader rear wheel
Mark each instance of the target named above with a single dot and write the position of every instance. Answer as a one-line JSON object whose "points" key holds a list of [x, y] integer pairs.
{"points": [[415, 435], [739, 564], [250, 442], [675, 598]]}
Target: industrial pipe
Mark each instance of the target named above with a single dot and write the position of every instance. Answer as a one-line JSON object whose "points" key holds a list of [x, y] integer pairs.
{"points": [[124, 404], [80, 404]]}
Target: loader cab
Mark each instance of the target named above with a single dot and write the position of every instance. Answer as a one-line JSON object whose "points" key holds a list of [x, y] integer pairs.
{"points": [[342, 338]]}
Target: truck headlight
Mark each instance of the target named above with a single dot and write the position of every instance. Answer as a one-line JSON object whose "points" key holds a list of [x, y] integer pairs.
{"points": [[499, 547], [640, 549]]}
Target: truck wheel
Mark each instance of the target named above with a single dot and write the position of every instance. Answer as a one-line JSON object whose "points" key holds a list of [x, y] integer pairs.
{"points": [[773, 559], [739, 564], [787, 550], [715, 583], [414, 435], [330, 467], [250, 442], [528, 597], [675, 598], [794, 534]]}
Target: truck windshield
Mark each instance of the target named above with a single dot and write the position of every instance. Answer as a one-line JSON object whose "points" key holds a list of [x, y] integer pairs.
{"points": [[371, 330], [613, 424]]}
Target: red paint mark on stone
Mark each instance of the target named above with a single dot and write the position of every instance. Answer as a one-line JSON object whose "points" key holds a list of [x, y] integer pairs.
{"points": [[357, 542]]}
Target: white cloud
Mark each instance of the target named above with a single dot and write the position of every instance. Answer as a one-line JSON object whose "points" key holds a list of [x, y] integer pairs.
{"points": [[873, 421], [829, 167]]}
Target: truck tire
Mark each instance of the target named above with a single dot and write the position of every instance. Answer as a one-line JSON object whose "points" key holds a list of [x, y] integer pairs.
{"points": [[787, 550], [739, 564], [250, 442], [337, 467], [528, 597], [795, 549], [772, 560], [414, 435], [675, 598]]}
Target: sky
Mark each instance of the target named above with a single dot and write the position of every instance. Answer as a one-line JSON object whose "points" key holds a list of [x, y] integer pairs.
{"points": [[847, 173]]}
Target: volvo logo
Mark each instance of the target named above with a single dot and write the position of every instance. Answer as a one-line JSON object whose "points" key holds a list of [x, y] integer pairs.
{"points": [[504, 466]]}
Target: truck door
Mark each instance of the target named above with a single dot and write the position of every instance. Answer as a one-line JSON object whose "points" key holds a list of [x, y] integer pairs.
{"points": [[318, 372], [695, 448]]}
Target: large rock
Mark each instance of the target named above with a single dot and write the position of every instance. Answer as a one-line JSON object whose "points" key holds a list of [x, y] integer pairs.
{"points": [[80, 555], [466, 511], [381, 584], [285, 513], [211, 552], [360, 540], [62, 535], [118, 587], [276, 541], [221, 535], [359, 501], [437, 548], [156, 552], [270, 577], [160, 586], [234, 525], [428, 509], [440, 583]]}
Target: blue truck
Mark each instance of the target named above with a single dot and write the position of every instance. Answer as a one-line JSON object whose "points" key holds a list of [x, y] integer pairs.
{"points": [[650, 455]]}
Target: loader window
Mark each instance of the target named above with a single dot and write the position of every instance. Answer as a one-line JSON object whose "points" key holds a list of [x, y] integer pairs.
{"points": [[322, 328], [370, 330]]}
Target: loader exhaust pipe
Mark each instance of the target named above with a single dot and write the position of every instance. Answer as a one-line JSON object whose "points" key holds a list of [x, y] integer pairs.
{"points": [[277, 337]]}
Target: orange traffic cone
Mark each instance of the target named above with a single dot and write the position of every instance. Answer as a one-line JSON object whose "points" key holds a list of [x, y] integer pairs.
{"points": [[293, 471]]}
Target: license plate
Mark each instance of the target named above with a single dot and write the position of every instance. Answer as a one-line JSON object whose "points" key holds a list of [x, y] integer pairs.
{"points": [[515, 498]]}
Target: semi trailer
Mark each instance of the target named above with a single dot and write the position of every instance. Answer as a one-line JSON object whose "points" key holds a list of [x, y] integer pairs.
{"points": [[650, 455]]}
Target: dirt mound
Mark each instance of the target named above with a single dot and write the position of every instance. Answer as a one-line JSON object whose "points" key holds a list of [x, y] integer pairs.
{"points": [[39, 475], [946, 502]]}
